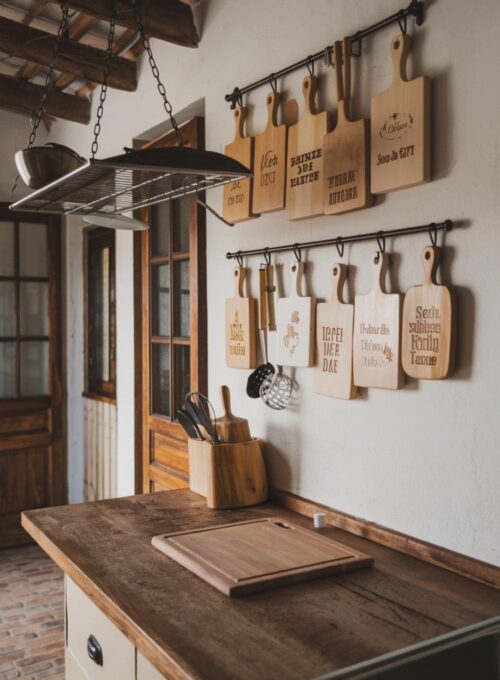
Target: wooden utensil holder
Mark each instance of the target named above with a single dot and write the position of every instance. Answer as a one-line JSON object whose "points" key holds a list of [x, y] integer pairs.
{"points": [[228, 475]]}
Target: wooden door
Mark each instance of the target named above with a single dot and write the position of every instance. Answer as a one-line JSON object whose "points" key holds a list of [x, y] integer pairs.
{"points": [[32, 451], [170, 321]]}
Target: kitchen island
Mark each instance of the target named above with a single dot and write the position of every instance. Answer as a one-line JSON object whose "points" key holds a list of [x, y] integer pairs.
{"points": [[187, 629]]}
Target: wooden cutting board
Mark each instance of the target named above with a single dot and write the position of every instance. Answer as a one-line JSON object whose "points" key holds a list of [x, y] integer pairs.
{"points": [[270, 162], [377, 320], [241, 346], [281, 553], [428, 338], [346, 149], [333, 375], [400, 127], [237, 200], [295, 323], [304, 181]]}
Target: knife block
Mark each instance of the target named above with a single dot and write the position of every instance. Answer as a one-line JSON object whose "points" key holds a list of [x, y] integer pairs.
{"points": [[228, 475]]}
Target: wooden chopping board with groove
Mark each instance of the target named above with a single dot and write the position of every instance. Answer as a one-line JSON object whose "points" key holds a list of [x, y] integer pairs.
{"points": [[281, 553], [400, 127], [241, 347], [346, 149], [377, 325], [295, 317], [428, 338], [270, 162], [237, 197], [304, 181], [333, 375]]}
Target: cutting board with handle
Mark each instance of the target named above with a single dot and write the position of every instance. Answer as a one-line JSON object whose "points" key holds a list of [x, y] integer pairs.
{"points": [[304, 180], [282, 553], [400, 127], [295, 323], [428, 338], [333, 375], [241, 347], [377, 325], [232, 429], [237, 198], [270, 162], [346, 149]]}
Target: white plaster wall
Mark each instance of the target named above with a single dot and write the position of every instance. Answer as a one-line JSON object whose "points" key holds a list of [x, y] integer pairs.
{"points": [[424, 460]]}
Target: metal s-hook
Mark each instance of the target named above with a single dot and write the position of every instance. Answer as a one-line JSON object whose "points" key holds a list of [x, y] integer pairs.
{"points": [[273, 83], [239, 258], [402, 21], [310, 65], [339, 244], [433, 233], [236, 98], [297, 252], [267, 256], [327, 57], [381, 241], [356, 39]]}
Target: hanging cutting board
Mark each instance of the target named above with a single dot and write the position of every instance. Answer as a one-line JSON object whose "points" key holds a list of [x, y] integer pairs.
{"points": [[428, 339], [240, 326], [333, 375], [237, 201], [304, 179], [281, 553], [295, 323], [400, 127], [346, 149], [270, 162], [376, 346]]}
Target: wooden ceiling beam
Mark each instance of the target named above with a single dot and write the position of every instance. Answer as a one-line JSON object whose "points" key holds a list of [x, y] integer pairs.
{"points": [[176, 21], [75, 58], [20, 95], [34, 10]]}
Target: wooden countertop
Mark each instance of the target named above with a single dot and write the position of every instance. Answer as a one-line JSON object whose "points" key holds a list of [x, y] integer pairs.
{"points": [[189, 629]]}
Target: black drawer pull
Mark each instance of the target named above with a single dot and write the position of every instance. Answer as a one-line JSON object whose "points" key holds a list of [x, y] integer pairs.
{"points": [[94, 650]]}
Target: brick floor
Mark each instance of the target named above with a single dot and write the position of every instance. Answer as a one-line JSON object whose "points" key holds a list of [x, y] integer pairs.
{"points": [[31, 615]]}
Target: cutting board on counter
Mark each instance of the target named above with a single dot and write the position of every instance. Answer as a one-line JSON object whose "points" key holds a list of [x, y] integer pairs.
{"points": [[237, 200], [333, 375], [270, 162], [241, 344], [428, 338], [400, 127], [377, 326], [304, 180], [282, 553], [295, 317]]}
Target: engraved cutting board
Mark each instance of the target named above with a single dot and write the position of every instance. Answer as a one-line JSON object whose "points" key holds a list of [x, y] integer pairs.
{"points": [[400, 127], [240, 326], [270, 162], [304, 181], [237, 197], [428, 338], [295, 316], [346, 149], [333, 375], [377, 321], [282, 553]]}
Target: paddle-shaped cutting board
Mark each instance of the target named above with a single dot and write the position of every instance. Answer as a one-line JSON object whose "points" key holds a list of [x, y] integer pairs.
{"points": [[400, 127], [428, 338], [270, 162], [346, 149], [377, 323], [304, 179], [333, 375], [295, 323], [240, 326], [237, 201]]}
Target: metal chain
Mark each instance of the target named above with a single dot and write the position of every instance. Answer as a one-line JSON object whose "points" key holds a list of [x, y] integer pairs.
{"points": [[154, 69], [104, 86]]}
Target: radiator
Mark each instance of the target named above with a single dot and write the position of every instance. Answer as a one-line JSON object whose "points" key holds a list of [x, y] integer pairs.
{"points": [[100, 450]]}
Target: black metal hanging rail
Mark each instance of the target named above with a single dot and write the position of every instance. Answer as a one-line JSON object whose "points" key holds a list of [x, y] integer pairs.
{"points": [[432, 228], [415, 9]]}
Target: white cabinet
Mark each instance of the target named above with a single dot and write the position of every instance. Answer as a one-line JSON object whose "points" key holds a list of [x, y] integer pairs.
{"points": [[95, 648]]}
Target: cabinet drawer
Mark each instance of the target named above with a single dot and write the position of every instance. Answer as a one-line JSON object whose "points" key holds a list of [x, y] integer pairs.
{"points": [[146, 670], [85, 620], [72, 670]]}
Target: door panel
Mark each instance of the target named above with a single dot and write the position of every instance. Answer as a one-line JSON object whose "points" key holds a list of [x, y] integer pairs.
{"points": [[32, 452]]}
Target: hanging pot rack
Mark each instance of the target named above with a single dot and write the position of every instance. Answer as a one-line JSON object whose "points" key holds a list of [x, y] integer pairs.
{"points": [[414, 9], [339, 241]]}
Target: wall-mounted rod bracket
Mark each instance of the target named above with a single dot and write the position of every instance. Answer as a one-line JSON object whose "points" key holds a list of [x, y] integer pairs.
{"points": [[432, 228]]}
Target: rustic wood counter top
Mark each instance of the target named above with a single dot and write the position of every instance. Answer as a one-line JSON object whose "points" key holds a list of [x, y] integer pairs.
{"points": [[189, 629]]}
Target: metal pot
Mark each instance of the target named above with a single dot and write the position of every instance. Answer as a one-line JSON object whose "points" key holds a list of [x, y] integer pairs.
{"points": [[41, 165]]}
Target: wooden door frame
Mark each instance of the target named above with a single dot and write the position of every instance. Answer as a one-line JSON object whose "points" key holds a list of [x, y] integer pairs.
{"points": [[193, 134]]}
